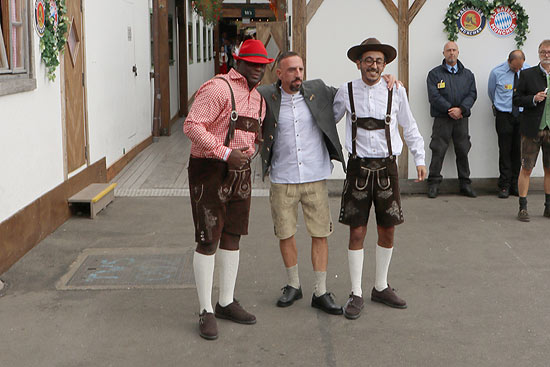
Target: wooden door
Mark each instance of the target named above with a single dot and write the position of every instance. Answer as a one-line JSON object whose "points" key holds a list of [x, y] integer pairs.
{"points": [[75, 114], [274, 37]]}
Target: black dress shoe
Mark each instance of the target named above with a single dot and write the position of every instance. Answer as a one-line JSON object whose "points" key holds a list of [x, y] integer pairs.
{"points": [[433, 191], [290, 294], [467, 190], [503, 193], [326, 303]]}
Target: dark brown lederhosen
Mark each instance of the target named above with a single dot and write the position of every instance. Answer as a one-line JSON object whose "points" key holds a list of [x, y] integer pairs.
{"points": [[371, 180], [220, 195]]}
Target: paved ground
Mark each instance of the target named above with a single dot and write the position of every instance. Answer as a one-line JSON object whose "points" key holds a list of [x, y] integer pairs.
{"points": [[476, 281]]}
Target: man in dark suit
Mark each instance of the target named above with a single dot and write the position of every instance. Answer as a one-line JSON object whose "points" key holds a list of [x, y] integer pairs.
{"points": [[531, 94]]}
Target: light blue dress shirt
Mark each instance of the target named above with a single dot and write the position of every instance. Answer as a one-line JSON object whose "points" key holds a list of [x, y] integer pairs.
{"points": [[300, 154], [450, 68], [501, 86]]}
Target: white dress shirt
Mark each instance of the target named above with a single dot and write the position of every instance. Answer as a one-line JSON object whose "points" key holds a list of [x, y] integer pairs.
{"points": [[371, 101], [300, 154]]}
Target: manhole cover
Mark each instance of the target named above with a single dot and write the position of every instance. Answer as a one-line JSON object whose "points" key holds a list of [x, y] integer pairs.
{"points": [[130, 268]]}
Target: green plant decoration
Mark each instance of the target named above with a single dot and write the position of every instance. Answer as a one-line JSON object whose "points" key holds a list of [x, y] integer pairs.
{"points": [[53, 41], [451, 18], [209, 10], [522, 22]]}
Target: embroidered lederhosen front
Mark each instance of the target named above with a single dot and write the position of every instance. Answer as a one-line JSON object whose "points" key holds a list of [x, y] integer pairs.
{"points": [[371, 180], [220, 194]]}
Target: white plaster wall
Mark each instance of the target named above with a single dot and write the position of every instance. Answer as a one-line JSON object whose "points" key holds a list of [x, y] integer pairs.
{"points": [[352, 21], [119, 104], [199, 72], [31, 152]]}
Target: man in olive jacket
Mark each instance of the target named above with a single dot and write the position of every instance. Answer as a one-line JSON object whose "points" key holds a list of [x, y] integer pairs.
{"points": [[300, 140]]}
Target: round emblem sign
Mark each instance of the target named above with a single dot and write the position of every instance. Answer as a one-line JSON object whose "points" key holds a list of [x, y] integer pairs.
{"points": [[40, 17], [503, 21], [471, 21]]}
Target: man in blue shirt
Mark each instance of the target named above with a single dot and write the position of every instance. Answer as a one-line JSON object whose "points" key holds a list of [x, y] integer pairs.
{"points": [[502, 83]]}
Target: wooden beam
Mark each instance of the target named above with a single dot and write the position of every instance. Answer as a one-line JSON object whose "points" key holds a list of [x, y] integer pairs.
{"points": [[164, 68], [299, 29], [281, 10], [312, 8], [415, 8], [392, 9]]}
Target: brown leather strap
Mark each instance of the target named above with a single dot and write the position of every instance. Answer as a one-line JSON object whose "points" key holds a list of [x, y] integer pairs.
{"points": [[369, 123], [232, 117]]}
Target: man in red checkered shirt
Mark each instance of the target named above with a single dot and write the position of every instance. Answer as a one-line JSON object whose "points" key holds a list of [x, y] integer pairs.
{"points": [[223, 126]]}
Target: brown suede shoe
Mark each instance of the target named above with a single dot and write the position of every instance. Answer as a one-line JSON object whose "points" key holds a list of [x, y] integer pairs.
{"points": [[388, 297], [523, 216], [352, 309], [208, 327], [235, 312], [546, 212]]}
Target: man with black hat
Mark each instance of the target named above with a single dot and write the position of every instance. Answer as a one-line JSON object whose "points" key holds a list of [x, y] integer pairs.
{"points": [[373, 141], [452, 93], [223, 126]]}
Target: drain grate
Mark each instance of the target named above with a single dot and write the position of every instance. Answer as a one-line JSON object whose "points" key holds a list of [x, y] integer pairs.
{"points": [[130, 268]]}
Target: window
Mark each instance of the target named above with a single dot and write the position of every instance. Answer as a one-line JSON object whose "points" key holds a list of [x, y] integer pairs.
{"points": [[190, 41], [171, 38], [209, 44], [204, 43], [198, 34], [15, 50]]}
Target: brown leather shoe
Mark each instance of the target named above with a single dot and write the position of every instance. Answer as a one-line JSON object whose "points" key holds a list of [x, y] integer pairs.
{"points": [[208, 328], [235, 312], [353, 307], [388, 297]]}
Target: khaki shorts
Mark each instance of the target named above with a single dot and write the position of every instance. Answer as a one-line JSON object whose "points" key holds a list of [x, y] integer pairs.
{"points": [[284, 200], [530, 148]]}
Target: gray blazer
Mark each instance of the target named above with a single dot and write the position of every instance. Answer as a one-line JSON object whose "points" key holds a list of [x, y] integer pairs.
{"points": [[319, 98]]}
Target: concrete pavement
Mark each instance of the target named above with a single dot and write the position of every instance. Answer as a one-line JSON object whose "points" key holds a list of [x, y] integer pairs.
{"points": [[475, 279]]}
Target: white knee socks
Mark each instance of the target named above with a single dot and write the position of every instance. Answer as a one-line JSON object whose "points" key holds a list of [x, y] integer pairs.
{"points": [[320, 286], [355, 261], [203, 267], [383, 258], [229, 266], [292, 275]]}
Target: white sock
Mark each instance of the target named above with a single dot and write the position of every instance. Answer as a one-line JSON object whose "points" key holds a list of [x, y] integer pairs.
{"points": [[203, 266], [320, 286], [229, 266], [383, 258], [355, 261], [292, 275]]}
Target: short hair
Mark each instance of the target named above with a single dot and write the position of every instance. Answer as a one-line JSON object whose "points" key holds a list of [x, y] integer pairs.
{"points": [[544, 43], [516, 54], [286, 55]]}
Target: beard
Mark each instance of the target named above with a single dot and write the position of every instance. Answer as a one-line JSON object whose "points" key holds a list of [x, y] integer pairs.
{"points": [[295, 85]]}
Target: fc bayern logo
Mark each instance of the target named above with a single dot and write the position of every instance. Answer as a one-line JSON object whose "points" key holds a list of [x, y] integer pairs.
{"points": [[503, 21], [471, 21]]}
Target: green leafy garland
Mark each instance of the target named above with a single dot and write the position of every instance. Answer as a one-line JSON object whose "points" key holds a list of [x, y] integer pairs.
{"points": [[451, 18], [53, 41], [209, 10]]}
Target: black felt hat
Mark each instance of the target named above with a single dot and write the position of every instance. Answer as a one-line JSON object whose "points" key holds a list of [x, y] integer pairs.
{"points": [[372, 44]]}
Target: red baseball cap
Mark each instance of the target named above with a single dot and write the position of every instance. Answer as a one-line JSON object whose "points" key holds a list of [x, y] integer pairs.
{"points": [[253, 51]]}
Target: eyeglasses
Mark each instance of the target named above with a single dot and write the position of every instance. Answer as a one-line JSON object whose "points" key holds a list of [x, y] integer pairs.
{"points": [[369, 61], [543, 52]]}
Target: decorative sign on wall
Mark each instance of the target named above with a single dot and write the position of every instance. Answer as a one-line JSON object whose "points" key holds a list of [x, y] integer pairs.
{"points": [[40, 17], [471, 21], [503, 21], [54, 17]]}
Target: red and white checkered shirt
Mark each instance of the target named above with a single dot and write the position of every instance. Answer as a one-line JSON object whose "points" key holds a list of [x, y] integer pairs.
{"points": [[207, 123]]}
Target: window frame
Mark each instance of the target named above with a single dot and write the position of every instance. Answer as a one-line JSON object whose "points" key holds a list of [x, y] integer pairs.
{"points": [[204, 43], [23, 79], [198, 36]]}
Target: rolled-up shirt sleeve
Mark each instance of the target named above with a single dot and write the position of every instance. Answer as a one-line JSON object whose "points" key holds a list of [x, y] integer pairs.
{"points": [[339, 104]]}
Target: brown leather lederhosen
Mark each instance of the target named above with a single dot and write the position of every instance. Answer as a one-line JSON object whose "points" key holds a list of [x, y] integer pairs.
{"points": [[362, 174], [221, 194]]}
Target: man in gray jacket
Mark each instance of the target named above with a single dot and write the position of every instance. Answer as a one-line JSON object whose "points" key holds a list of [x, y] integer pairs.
{"points": [[300, 140], [452, 93]]}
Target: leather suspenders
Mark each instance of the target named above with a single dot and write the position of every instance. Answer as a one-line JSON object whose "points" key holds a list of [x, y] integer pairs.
{"points": [[369, 123], [234, 116]]}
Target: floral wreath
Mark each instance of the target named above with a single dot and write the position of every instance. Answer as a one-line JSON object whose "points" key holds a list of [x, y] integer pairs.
{"points": [[53, 41], [209, 10], [454, 8]]}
